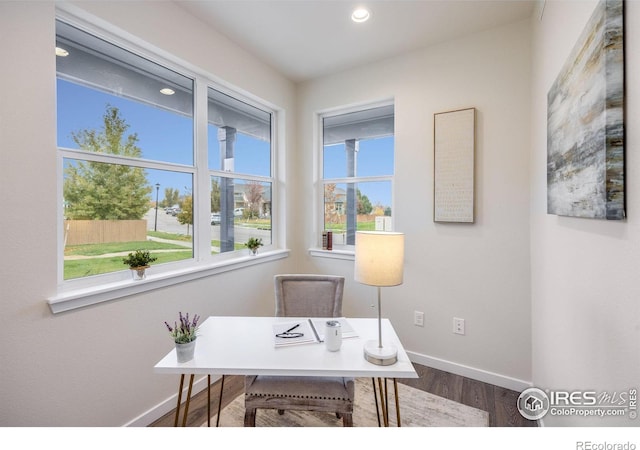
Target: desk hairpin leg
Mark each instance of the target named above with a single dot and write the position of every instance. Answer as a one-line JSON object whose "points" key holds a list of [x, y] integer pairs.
{"points": [[175, 423], [384, 401], [375, 399], [395, 393], [208, 400], [186, 404], [188, 400], [220, 402]]}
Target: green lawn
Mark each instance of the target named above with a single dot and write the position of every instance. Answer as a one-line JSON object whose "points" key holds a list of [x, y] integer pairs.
{"points": [[260, 224], [183, 237], [342, 227], [79, 268], [101, 258], [170, 236], [116, 247]]}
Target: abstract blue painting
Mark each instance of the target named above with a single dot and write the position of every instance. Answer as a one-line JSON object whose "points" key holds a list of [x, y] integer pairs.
{"points": [[585, 123]]}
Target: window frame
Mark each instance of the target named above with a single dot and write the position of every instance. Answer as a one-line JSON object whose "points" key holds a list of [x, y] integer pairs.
{"points": [[341, 251], [80, 292]]}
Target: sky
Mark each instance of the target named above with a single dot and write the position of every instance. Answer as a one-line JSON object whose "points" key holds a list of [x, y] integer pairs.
{"points": [[374, 158], [166, 136]]}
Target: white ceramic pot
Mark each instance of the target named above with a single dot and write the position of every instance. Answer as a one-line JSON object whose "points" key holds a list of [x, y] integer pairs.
{"points": [[184, 352], [139, 273]]}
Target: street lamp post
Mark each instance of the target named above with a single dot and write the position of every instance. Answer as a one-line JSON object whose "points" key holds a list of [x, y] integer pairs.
{"points": [[155, 226]]}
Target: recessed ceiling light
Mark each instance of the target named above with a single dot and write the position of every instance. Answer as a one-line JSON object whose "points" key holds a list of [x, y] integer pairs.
{"points": [[61, 52], [360, 15], [167, 91]]}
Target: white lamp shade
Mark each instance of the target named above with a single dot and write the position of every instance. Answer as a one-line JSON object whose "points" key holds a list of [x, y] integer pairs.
{"points": [[379, 258]]}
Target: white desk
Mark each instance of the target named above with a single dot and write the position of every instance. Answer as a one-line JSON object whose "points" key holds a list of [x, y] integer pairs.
{"points": [[245, 346]]}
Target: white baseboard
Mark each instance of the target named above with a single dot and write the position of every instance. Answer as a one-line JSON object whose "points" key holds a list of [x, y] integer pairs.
{"points": [[169, 404], [504, 381]]}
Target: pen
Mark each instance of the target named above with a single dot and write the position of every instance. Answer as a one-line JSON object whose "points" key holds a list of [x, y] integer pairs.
{"points": [[292, 328]]}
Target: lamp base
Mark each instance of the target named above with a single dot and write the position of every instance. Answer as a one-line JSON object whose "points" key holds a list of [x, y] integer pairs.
{"points": [[384, 356]]}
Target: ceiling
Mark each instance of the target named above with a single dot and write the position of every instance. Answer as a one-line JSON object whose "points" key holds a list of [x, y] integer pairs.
{"points": [[305, 39]]}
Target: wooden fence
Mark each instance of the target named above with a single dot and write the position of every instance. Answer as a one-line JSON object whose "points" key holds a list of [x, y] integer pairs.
{"points": [[78, 232]]}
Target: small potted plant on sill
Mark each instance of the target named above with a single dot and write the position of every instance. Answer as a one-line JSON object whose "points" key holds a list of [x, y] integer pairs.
{"points": [[139, 262], [184, 334], [254, 244]]}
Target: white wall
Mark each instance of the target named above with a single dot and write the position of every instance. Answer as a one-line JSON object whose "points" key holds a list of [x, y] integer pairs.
{"points": [[93, 367], [479, 272], [581, 275], [585, 290]]}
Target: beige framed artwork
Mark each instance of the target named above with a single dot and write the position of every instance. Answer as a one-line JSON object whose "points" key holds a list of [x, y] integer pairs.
{"points": [[454, 166]]}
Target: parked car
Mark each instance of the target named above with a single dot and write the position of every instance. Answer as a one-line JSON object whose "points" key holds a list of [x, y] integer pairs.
{"points": [[215, 218], [173, 210]]}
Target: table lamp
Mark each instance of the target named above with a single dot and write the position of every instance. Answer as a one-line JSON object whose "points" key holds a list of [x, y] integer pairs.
{"points": [[379, 262]]}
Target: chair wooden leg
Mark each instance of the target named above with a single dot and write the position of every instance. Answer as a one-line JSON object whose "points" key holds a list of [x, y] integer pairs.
{"points": [[347, 420], [250, 418]]}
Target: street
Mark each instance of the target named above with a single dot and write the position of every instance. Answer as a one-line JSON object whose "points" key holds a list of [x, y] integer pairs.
{"points": [[169, 224]]}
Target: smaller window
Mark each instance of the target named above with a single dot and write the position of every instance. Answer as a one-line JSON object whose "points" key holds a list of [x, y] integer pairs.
{"points": [[240, 169], [357, 172]]}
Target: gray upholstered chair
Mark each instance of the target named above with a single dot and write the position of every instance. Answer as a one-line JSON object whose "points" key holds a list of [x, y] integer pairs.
{"points": [[303, 295]]}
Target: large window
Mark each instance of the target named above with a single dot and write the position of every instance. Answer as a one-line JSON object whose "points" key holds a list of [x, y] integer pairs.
{"points": [[357, 172], [134, 175]]}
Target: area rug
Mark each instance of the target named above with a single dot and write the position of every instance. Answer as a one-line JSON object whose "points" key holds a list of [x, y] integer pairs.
{"points": [[417, 409]]}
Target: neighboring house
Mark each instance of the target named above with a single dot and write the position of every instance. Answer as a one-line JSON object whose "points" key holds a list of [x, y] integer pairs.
{"points": [[241, 200]]}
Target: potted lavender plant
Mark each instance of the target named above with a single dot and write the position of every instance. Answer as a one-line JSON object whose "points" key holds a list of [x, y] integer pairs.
{"points": [[184, 334]]}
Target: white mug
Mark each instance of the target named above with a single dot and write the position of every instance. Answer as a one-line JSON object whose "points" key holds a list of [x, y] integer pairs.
{"points": [[333, 335]]}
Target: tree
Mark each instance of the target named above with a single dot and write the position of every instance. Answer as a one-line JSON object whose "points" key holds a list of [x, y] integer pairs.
{"points": [[215, 195], [254, 193], [364, 204], [171, 197], [331, 213], [378, 210], [185, 216], [101, 191]]}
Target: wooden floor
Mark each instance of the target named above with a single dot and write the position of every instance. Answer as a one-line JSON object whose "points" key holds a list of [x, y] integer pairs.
{"points": [[499, 402]]}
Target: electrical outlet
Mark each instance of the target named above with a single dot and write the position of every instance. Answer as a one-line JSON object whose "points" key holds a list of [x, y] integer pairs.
{"points": [[458, 325], [418, 318]]}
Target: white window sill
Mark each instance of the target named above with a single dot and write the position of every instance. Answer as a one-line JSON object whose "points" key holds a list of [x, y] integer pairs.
{"points": [[335, 254], [80, 298]]}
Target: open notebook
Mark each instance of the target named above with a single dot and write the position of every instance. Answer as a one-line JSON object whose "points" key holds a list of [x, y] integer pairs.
{"points": [[307, 331]]}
